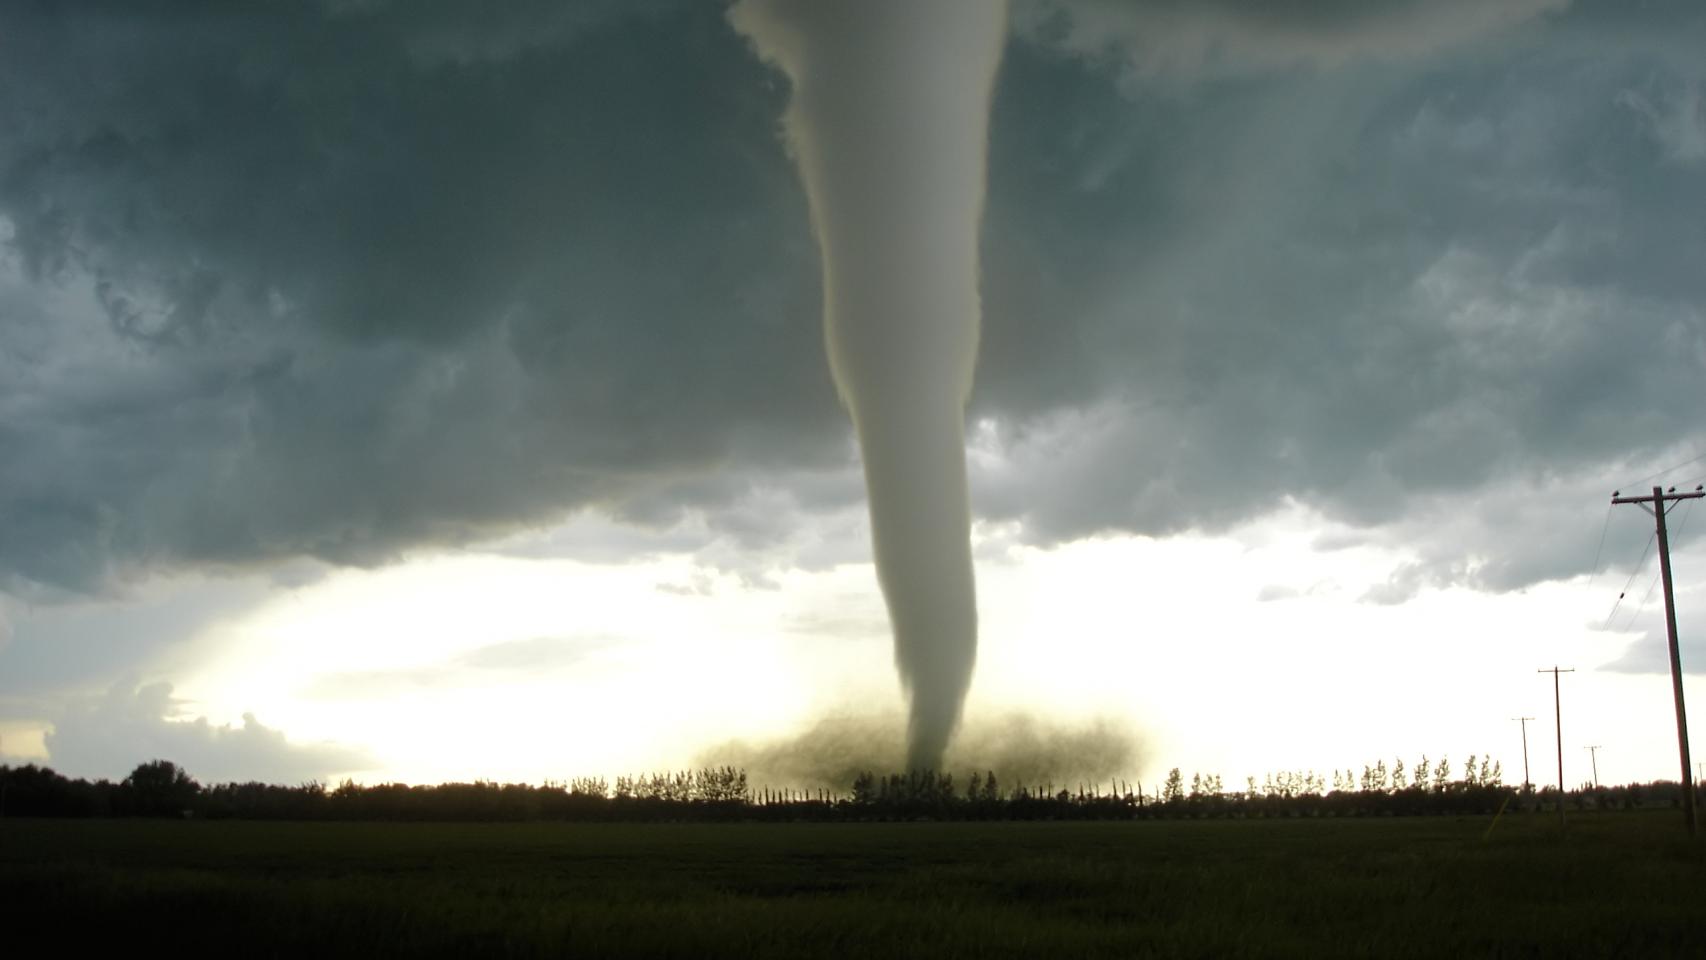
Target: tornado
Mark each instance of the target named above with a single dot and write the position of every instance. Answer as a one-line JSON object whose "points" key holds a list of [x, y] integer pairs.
{"points": [[888, 123]]}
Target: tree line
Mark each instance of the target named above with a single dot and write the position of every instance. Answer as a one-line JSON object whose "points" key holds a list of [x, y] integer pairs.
{"points": [[160, 788]]}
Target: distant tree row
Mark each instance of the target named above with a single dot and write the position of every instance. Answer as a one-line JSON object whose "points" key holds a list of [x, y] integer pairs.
{"points": [[160, 788]]}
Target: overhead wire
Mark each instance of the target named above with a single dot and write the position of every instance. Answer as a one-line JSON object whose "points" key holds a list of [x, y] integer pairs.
{"points": [[1640, 565], [1651, 538], [1687, 512], [1599, 551], [1696, 480], [1668, 470], [1630, 623]]}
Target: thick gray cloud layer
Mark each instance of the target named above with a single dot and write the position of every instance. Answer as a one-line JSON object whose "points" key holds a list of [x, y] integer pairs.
{"points": [[351, 279], [279, 285], [1148, 39]]}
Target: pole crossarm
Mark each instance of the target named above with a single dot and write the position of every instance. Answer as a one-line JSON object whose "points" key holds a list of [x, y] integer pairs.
{"points": [[1656, 496], [1658, 504]]}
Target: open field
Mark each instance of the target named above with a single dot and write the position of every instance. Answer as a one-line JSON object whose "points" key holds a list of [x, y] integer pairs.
{"points": [[1616, 884]]}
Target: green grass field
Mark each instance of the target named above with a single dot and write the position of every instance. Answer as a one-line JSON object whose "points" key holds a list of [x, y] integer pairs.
{"points": [[1620, 884]]}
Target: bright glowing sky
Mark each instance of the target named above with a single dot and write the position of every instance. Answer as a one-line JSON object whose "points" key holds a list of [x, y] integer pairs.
{"points": [[421, 392]]}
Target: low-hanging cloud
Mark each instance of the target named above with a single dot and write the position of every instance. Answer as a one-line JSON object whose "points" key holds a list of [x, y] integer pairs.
{"points": [[1193, 38], [132, 724]]}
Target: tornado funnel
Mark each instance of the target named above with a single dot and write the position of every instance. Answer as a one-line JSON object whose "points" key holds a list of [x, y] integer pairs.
{"points": [[889, 126]]}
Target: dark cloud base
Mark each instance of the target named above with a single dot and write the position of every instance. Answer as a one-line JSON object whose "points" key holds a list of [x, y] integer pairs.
{"points": [[350, 280]]}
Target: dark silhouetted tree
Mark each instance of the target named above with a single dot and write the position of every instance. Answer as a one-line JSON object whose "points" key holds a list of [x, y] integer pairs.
{"points": [[865, 788], [159, 788], [1174, 790], [589, 787]]}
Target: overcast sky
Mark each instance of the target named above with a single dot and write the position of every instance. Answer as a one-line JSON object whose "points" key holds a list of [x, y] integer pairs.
{"points": [[426, 390]]}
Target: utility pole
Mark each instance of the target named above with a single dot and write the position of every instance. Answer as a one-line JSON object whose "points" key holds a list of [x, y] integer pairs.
{"points": [[1593, 757], [1526, 787], [1558, 717], [1658, 504]]}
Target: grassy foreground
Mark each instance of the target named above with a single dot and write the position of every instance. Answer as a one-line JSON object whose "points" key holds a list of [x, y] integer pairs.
{"points": [[1617, 884]]}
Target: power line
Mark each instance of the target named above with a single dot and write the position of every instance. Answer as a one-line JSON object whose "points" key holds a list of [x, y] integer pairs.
{"points": [[1667, 470], [1599, 551], [1699, 479], [1639, 566], [1630, 623], [1661, 502], [1686, 512]]}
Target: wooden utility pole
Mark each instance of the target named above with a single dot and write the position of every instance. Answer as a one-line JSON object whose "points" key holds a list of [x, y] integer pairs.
{"points": [[1524, 722], [1593, 757], [1658, 504], [1558, 718]]}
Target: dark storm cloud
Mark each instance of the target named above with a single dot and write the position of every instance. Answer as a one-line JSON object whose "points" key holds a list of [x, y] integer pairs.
{"points": [[1147, 38], [1398, 291], [280, 284], [351, 279]]}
